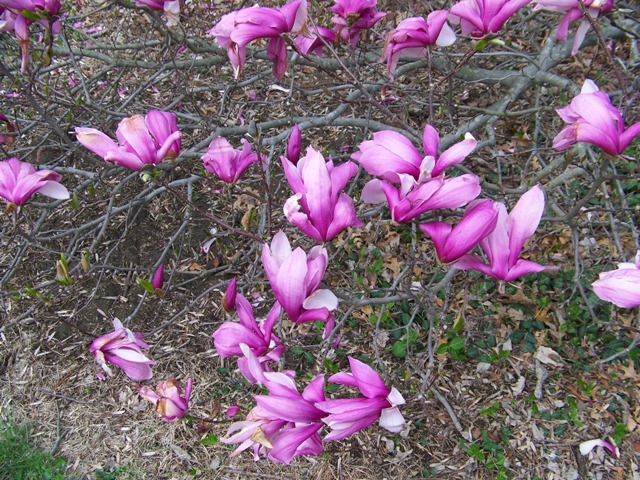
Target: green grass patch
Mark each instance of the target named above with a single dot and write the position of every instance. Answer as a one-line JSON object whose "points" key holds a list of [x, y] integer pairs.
{"points": [[22, 459]]}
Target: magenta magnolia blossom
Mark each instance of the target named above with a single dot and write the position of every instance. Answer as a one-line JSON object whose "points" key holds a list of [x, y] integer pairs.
{"points": [[143, 141], [620, 287], [284, 424], [353, 16], [480, 17], [392, 158], [503, 246], [413, 35], [171, 404], [237, 29], [18, 15], [594, 120], [574, 11], [451, 243], [171, 9], [227, 163], [256, 335], [315, 42], [123, 348], [326, 210], [19, 180], [347, 416], [295, 279]]}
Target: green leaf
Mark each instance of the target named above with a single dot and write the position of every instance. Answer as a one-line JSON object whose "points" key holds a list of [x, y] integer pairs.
{"points": [[209, 439], [145, 284], [481, 45], [399, 349], [456, 343]]}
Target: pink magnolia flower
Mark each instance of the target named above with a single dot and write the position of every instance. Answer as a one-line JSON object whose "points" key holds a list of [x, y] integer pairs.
{"points": [[413, 35], [18, 15], [392, 158], [451, 243], [594, 120], [315, 42], [347, 416], [19, 180], [143, 140], [237, 29], [227, 163], [574, 11], [171, 9], [123, 348], [503, 246], [284, 424], [171, 404], [353, 16], [620, 287], [326, 210], [480, 17], [257, 336], [295, 279]]}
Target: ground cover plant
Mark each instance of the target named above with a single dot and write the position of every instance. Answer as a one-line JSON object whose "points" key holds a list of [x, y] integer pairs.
{"points": [[323, 239]]}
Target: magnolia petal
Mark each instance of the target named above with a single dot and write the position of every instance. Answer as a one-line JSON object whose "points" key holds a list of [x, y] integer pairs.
{"points": [[54, 190], [321, 298], [391, 419], [455, 154], [523, 221], [589, 445]]}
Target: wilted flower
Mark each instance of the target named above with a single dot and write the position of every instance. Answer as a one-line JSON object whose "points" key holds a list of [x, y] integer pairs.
{"points": [[143, 140], [169, 400], [284, 424], [451, 243], [170, 403], [413, 35], [6, 138], [228, 164], [19, 180], [237, 29], [347, 416], [353, 16], [171, 9], [295, 277], [123, 348], [503, 246], [318, 185], [594, 120], [574, 11], [479, 17], [392, 158], [620, 287]]}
